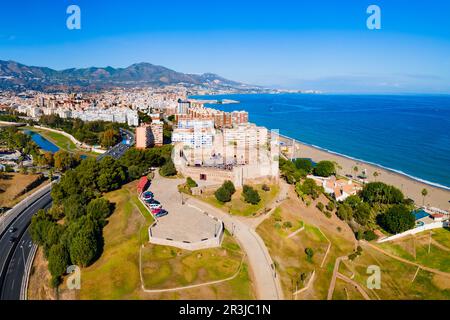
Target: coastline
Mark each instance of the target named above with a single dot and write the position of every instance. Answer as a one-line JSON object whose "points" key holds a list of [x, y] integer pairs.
{"points": [[438, 196]]}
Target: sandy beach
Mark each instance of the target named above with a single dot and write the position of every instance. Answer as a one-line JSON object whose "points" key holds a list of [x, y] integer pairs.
{"points": [[437, 197]]}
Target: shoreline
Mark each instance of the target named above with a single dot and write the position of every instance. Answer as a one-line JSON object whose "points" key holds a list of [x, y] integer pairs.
{"points": [[438, 195]]}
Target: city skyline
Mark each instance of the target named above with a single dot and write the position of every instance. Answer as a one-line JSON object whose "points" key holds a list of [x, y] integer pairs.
{"points": [[295, 45]]}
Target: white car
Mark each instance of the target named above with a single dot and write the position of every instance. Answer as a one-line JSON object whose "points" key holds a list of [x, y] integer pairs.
{"points": [[155, 206]]}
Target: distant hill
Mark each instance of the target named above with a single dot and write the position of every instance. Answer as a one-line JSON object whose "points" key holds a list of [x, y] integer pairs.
{"points": [[16, 76]]}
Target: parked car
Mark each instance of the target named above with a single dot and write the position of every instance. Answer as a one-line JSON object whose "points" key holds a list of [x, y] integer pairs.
{"points": [[155, 205], [12, 230], [162, 213], [12, 239], [156, 211]]}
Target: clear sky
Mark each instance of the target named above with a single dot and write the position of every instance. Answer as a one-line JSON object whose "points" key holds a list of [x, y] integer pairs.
{"points": [[302, 44]]}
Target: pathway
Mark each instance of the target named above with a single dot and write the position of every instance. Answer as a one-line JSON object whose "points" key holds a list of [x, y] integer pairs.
{"points": [[266, 280]]}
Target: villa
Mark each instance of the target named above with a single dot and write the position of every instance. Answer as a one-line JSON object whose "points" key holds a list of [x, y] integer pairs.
{"points": [[341, 189]]}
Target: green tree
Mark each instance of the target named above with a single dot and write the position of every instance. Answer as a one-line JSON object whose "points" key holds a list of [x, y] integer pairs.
{"points": [[99, 209], [58, 260], [397, 219], [304, 164], [362, 213], [345, 212], [320, 206], [223, 195], [228, 185], [325, 168], [110, 138], [168, 169], [251, 195]]}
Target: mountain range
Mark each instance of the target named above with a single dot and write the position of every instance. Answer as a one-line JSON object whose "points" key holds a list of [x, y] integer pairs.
{"points": [[17, 76]]}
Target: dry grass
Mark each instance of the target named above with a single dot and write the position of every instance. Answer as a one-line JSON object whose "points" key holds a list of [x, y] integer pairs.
{"points": [[12, 184]]}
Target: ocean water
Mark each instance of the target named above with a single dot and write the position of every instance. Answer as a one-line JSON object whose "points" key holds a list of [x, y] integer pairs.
{"points": [[408, 134]]}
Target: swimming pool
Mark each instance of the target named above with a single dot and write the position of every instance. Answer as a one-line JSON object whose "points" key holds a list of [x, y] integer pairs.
{"points": [[419, 214]]}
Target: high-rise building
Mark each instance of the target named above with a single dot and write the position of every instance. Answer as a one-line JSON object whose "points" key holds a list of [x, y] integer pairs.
{"points": [[149, 135]]}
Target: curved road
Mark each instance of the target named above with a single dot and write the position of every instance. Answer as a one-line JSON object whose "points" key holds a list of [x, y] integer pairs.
{"points": [[13, 255]]}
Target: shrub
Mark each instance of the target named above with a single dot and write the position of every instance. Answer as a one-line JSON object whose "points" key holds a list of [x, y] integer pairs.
{"points": [[328, 214], [251, 195], [265, 187], [229, 186], [320, 206], [304, 164], [309, 253], [287, 225], [369, 235], [331, 206], [191, 183]]}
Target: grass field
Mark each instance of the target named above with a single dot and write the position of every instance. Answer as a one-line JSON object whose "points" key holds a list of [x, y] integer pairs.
{"points": [[418, 248], [169, 267], [397, 279], [238, 206], [12, 184], [116, 274], [289, 253]]}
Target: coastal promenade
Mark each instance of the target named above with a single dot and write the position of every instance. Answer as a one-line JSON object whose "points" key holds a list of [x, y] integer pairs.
{"points": [[437, 197]]}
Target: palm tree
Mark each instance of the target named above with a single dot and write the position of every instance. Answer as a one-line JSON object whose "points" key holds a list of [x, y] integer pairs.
{"points": [[424, 194], [355, 168], [375, 175]]}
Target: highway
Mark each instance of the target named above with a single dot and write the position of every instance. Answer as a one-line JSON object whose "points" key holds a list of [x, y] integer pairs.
{"points": [[13, 255], [119, 149]]}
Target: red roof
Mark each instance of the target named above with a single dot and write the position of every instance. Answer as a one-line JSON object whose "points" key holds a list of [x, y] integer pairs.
{"points": [[142, 183]]}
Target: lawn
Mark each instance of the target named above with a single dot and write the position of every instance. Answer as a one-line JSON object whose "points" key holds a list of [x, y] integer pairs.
{"points": [[238, 206], [419, 249], [397, 278], [116, 274], [169, 267]]}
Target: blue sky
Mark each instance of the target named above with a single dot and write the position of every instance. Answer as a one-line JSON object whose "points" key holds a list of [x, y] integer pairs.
{"points": [[321, 44]]}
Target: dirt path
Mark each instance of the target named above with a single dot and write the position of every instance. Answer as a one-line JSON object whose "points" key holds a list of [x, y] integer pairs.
{"points": [[334, 276], [445, 274], [355, 284]]}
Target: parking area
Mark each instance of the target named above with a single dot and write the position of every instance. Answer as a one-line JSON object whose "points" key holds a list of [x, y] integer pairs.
{"points": [[183, 223]]}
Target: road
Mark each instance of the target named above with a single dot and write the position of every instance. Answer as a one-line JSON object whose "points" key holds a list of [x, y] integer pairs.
{"points": [[13, 255], [266, 279], [119, 149]]}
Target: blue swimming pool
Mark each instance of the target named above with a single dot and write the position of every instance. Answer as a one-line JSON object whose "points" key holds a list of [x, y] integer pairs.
{"points": [[419, 214]]}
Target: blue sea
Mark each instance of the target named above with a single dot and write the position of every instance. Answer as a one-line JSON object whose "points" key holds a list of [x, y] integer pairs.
{"points": [[407, 134]]}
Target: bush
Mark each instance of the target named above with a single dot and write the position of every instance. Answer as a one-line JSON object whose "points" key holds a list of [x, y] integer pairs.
{"points": [[309, 253], [325, 169], [330, 206], [251, 195], [320, 206], [191, 183], [328, 214], [369, 235], [265, 187], [379, 192], [287, 225]]}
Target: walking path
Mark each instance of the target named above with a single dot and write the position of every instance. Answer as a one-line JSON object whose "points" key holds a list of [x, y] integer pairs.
{"points": [[266, 280], [446, 274]]}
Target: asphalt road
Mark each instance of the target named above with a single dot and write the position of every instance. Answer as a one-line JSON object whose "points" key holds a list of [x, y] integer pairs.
{"points": [[13, 255]]}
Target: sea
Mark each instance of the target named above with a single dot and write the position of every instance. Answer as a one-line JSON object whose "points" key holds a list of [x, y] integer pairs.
{"points": [[408, 134]]}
